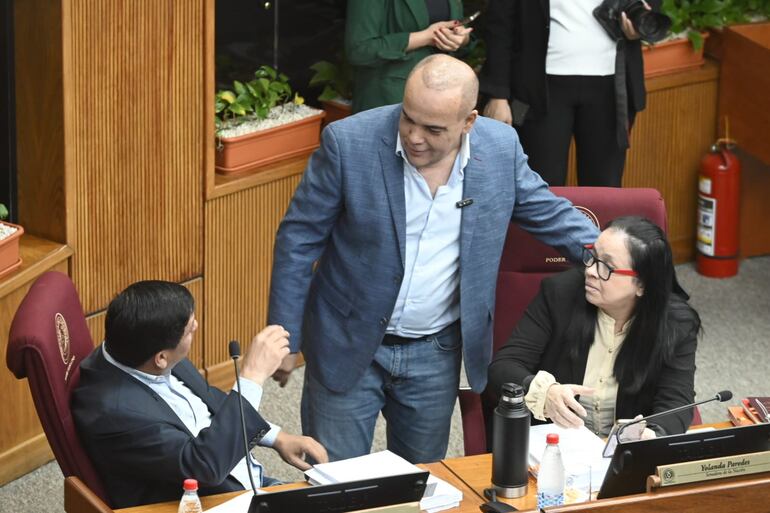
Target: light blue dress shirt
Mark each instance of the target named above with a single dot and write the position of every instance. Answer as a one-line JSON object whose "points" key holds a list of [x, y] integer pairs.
{"points": [[429, 298], [194, 413]]}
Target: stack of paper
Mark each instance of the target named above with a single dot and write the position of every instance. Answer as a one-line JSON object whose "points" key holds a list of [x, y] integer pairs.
{"points": [[439, 495], [578, 446]]}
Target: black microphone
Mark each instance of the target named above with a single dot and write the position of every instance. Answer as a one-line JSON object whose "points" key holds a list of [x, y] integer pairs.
{"points": [[235, 353], [724, 395], [464, 203]]}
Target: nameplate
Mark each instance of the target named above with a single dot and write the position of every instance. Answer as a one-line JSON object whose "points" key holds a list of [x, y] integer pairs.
{"points": [[714, 468]]}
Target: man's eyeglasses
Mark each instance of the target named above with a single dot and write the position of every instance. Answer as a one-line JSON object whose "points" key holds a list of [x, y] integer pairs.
{"points": [[602, 268]]}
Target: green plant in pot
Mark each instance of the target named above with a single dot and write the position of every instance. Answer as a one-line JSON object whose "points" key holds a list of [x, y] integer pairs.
{"points": [[336, 79], [262, 121], [254, 99], [692, 17], [9, 243]]}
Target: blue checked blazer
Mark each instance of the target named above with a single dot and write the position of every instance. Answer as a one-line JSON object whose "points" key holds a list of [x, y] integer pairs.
{"points": [[348, 215]]}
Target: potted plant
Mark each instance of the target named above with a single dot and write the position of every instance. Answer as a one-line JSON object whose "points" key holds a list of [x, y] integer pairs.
{"points": [[260, 122], [9, 244], [337, 81], [690, 20]]}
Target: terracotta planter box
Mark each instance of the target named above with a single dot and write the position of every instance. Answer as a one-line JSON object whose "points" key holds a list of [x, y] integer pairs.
{"points": [[256, 149], [336, 110], [9, 251], [671, 57]]}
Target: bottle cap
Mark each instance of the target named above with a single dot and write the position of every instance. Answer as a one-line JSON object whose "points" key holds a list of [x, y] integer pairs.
{"points": [[552, 438], [190, 484]]}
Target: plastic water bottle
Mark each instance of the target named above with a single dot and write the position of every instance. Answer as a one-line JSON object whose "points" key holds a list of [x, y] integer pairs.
{"points": [[510, 443], [190, 502], [550, 478]]}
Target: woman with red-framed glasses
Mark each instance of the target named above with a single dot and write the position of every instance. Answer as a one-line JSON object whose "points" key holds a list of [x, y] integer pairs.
{"points": [[611, 340]]}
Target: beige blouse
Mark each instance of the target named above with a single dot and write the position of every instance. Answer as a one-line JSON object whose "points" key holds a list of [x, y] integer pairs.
{"points": [[598, 375]]}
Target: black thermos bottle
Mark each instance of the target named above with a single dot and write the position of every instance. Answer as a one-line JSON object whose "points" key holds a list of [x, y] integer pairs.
{"points": [[510, 443]]}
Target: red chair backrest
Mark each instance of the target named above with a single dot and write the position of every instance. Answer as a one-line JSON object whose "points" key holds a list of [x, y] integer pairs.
{"points": [[526, 261], [48, 340]]}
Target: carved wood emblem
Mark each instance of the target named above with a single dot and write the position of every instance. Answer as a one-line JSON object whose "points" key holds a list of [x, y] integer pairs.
{"points": [[590, 215], [63, 339]]}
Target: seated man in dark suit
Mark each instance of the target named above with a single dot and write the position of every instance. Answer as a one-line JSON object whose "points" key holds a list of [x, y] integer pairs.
{"points": [[149, 420]]}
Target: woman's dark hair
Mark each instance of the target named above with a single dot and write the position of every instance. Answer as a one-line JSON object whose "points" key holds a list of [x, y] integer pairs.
{"points": [[147, 317], [659, 312]]}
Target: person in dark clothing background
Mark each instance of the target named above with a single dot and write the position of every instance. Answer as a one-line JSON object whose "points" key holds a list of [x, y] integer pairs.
{"points": [[554, 73]]}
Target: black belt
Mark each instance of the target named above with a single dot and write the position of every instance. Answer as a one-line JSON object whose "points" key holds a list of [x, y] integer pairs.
{"points": [[395, 340]]}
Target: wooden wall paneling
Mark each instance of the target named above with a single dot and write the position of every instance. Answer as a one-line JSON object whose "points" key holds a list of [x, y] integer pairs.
{"points": [[744, 86], [133, 127], [668, 142], [23, 446], [95, 323], [240, 232], [40, 117]]}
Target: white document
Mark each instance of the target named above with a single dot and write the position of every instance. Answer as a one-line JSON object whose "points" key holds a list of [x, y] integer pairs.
{"points": [[578, 446], [237, 504], [439, 495], [370, 466]]}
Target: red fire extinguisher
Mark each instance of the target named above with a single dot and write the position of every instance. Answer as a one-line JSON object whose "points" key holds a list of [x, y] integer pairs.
{"points": [[719, 186]]}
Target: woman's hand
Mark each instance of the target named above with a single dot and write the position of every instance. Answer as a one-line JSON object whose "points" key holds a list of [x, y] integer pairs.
{"points": [[562, 407], [499, 109], [425, 37], [451, 39], [628, 28]]}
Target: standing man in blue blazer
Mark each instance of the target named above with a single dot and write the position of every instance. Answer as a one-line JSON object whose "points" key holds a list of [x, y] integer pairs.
{"points": [[403, 211]]}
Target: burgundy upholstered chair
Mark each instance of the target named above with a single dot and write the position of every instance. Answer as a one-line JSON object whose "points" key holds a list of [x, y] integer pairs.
{"points": [[526, 261], [48, 340]]}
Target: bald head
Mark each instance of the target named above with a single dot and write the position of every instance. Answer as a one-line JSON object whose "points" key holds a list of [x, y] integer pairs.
{"points": [[442, 73]]}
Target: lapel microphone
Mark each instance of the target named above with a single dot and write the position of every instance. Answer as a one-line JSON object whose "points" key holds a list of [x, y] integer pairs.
{"points": [[235, 354], [464, 203]]}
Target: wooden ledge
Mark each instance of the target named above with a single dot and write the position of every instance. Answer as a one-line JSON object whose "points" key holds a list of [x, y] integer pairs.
{"points": [[224, 185], [707, 73], [38, 256]]}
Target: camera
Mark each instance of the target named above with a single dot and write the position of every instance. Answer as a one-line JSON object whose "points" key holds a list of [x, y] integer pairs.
{"points": [[652, 26]]}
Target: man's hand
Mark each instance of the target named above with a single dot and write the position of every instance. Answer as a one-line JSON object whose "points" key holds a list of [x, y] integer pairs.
{"points": [[264, 355], [294, 448], [281, 375], [561, 406], [499, 109]]}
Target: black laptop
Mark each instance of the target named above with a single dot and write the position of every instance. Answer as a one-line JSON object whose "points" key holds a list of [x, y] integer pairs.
{"points": [[341, 497]]}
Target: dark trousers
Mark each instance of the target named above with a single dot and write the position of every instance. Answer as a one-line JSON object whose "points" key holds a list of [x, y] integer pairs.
{"points": [[583, 107]]}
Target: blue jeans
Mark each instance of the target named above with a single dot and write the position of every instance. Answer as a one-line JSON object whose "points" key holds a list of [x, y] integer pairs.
{"points": [[414, 385]]}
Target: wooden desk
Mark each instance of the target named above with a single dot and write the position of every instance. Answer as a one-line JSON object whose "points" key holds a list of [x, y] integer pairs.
{"points": [[747, 494], [469, 504], [476, 473]]}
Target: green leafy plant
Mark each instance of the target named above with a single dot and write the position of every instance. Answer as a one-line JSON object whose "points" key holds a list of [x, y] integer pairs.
{"points": [[745, 10], [695, 16], [3, 211], [335, 77], [253, 99]]}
